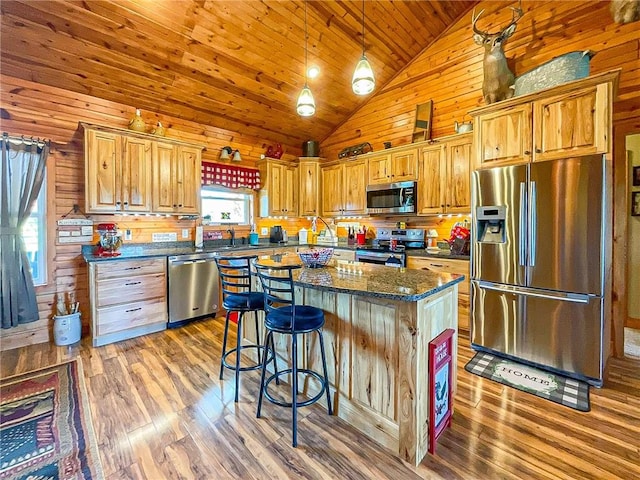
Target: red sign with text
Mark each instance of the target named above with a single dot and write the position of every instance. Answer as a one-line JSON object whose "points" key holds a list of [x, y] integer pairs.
{"points": [[440, 385]]}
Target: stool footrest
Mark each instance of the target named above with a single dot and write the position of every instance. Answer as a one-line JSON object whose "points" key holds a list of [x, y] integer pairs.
{"points": [[305, 371], [257, 366]]}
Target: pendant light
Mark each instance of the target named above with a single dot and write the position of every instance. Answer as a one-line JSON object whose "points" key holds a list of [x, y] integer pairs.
{"points": [[306, 105], [363, 82]]}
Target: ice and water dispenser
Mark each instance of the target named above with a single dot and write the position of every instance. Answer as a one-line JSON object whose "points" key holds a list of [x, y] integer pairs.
{"points": [[491, 224]]}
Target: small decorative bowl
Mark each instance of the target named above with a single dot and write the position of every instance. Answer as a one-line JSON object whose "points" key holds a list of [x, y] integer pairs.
{"points": [[316, 257]]}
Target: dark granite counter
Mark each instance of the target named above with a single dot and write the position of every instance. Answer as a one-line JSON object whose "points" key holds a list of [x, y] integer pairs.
{"points": [[151, 250], [367, 279]]}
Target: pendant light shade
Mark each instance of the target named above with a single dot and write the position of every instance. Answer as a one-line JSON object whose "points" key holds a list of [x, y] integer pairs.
{"points": [[306, 106], [363, 81]]}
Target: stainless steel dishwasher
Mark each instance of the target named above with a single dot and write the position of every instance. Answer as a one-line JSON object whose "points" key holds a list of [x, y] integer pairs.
{"points": [[194, 287]]}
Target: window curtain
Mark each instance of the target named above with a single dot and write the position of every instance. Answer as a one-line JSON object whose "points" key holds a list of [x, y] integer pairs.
{"points": [[230, 176], [21, 176]]}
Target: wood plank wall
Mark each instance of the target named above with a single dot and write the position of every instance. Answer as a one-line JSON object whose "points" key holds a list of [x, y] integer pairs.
{"points": [[449, 72], [32, 109]]}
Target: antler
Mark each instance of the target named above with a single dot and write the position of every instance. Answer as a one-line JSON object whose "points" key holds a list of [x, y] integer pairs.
{"points": [[474, 19], [517, 14]]}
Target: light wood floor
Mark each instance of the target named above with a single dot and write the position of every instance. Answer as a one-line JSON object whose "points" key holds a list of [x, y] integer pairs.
{"points": [[159, 412]]}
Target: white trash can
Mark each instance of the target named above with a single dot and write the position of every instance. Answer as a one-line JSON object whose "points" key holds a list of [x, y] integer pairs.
{"points": [[67, 329]]}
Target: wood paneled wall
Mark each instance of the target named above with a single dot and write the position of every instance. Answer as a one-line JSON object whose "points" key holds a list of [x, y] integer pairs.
{"points": [[449, 72], [32, 109]]}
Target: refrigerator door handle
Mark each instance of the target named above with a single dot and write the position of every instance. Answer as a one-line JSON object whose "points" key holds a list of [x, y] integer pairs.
{"points": [[531, 292], [522, 253], [533, 226]]}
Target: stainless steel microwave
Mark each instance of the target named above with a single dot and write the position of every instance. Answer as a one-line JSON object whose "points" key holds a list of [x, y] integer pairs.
{"points": [[390, 198]]}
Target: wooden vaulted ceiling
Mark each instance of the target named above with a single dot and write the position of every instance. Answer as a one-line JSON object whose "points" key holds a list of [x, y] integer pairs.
{"points": [[235, 65]]}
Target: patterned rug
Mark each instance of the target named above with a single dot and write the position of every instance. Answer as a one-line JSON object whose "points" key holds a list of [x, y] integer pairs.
{"points": [[45, 426], [565, 391]]}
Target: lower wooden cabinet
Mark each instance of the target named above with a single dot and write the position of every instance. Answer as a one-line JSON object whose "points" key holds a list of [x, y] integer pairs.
{"points": [[447, 265], [128, 298]]}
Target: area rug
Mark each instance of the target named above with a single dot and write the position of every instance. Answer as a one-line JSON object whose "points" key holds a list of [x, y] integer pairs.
{"points": [[45, 426], [565, 391]]}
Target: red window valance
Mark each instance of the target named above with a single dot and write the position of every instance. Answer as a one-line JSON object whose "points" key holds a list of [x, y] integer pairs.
{"points": [[230, 176]]}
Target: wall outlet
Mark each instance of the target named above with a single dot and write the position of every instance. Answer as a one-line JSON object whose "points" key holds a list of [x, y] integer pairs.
{"points": [[264, 231], [127, 234], [185, 233]]}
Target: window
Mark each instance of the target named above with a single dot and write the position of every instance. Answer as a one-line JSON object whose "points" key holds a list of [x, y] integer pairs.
{"points": [[34, 234], [220, 205]]}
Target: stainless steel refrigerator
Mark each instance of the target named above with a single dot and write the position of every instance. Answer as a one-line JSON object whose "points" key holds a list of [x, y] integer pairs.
{"points": [[539, 264]]}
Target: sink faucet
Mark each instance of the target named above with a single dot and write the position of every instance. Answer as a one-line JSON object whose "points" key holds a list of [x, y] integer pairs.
{"points": [[332, 234], [232, 232]]}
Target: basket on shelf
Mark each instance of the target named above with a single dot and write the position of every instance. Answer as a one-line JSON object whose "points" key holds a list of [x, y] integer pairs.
{"points": [[316, 257]]}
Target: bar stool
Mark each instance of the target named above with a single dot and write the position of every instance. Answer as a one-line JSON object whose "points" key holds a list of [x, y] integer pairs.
{"points": [[284, 316], [238, 296]]}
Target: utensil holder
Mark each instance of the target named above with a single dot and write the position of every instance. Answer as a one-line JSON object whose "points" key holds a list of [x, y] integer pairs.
{"points": [[67, 329]]}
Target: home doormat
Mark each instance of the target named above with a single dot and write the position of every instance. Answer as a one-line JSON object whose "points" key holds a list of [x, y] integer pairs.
{"points": [[565, 391], [45, 426]]}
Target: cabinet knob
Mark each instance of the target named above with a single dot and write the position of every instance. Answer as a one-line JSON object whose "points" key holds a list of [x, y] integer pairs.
{"points": [[175, 206], [497, 148], [527, 152], [126, 204], [118, 203], [180, 205], [538, 150]]}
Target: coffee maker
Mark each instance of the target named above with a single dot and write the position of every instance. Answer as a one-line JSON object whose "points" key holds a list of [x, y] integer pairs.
{"points": [[276, 234]]}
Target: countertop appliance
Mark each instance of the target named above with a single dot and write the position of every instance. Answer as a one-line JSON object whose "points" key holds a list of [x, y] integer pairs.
{"points": [[538, 264], [383, 252], [276, 234], [194, 287], [391, 198]]}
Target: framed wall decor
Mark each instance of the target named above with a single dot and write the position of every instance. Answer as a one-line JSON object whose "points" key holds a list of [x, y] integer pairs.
{"points": [[636, 176], [441, 367], [635, 204], [422, 124]]}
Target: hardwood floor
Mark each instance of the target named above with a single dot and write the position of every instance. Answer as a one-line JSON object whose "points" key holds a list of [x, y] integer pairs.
{"points": [[159, 411]]}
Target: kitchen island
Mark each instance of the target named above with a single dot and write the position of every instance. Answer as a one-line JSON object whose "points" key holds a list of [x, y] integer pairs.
{"points": [[379, 321]]}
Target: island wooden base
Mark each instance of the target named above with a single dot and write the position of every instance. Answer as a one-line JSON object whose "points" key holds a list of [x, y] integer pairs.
{"points": [[377, 355]]}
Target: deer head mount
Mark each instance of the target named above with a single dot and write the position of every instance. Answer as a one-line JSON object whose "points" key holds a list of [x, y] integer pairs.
{"points": [[498, 79]]}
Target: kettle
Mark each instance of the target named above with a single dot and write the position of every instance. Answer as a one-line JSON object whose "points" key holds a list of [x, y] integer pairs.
{"points": [[463, 127]]}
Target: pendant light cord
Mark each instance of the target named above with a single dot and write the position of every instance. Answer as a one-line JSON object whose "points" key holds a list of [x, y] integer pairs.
{"points": [[306, 51], [362, 27]]}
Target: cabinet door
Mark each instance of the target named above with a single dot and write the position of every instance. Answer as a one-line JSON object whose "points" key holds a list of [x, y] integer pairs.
{"points": [[458, 191], [187, 180], [276, 195], [431, 175], [355, 188], [572, 124], [332, 189], [309, 178], [379, 169], [503, 137], [136, 175], [289, 191], [163, 155], [103, 151], [404, 165]]}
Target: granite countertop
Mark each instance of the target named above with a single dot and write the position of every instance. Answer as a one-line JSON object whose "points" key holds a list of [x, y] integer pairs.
{"points": [[151, 250], [367, 279]]}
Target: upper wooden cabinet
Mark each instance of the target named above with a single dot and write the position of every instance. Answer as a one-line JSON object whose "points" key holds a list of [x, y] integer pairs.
{"points": [[176, 178], [344, 188], [444, 173], [117, 173], [394, 166], [278, 195], [135, 172], [309, 187], [572, 119]]}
